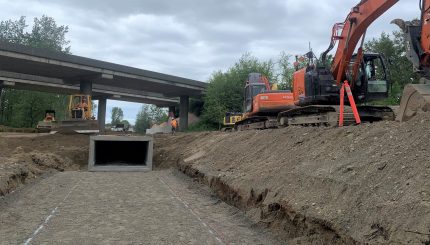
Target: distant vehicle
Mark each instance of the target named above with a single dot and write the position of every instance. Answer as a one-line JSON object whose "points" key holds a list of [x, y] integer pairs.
{"points": [[120, 127], [48, 122], [230, 119]]}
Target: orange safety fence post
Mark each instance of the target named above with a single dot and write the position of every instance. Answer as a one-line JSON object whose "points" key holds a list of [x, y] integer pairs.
{"points": [[342, 96], [352, 102]]}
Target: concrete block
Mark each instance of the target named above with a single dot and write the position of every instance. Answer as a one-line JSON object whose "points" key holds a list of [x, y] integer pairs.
{"points": [[164, 128], [120, 153]]}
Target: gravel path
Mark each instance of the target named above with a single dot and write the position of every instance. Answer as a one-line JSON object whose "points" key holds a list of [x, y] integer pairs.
{"points": [[159, 207]]}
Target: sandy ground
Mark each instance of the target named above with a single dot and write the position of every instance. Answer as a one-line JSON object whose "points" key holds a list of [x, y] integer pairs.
{"points": [[360, 184], [159, 207]]}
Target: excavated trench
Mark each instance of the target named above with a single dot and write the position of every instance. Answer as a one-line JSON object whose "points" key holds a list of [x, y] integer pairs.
{"points": [[366, 184], [281, 218], [14, 180]]}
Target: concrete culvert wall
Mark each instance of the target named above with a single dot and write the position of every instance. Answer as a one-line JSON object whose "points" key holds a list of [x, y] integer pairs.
{"points": [[120, 153]]}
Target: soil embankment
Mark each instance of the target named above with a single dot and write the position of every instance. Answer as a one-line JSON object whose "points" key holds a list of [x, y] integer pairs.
{"points": [[361, 184], [24, 157]]}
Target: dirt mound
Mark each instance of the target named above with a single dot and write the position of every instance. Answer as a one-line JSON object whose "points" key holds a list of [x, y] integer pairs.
{"points": [[27, 156], [362, 184]]}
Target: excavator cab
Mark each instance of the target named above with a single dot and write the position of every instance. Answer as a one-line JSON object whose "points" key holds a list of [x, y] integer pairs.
{"points": [[254, 86], [372, 82]]}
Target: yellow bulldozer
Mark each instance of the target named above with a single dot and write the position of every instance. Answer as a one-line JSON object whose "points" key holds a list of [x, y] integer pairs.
{"points": [[230, 119], [79, 118]]}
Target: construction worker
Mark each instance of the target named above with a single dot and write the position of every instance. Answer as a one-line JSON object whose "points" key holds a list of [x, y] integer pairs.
{"points": [[174, 124]]}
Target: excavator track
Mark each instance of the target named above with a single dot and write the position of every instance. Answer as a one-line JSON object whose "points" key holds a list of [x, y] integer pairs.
{"points": [[317, 115], [300, 116], [329, 115], [309, 116], [257, 122]]}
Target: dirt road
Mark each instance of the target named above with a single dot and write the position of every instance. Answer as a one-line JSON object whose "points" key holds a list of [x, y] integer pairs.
{"points": [[160, 207]]}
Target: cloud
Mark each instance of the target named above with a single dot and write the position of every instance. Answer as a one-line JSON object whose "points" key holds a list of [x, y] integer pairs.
{"points": [[192, 38]]}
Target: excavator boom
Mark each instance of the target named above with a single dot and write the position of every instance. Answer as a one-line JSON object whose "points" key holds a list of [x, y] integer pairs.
{"points": [[415, 98], [352, 30]]}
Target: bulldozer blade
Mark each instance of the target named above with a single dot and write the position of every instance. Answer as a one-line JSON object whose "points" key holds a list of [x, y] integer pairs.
{"points": [[415, 99], [77, 126]]}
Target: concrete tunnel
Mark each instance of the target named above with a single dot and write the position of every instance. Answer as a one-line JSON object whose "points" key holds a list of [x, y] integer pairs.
{"points": [[120, 153]]}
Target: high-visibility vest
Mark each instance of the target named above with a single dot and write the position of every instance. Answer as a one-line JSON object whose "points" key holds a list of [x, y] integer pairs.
{"points": [[174, 123]]}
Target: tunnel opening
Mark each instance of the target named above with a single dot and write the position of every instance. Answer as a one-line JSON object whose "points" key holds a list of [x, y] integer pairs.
{"points": [[120, 153], [123, 153]]}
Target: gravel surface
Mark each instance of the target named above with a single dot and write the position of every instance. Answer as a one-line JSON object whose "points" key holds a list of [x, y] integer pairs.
{"points": [[159, 207]]}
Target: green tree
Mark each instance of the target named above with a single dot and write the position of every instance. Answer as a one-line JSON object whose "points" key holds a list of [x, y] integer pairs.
{"points": [[26, 108], [285, 71], [13, 31], [126, 124], [196, 106], [47, 35], [143, 120], [117, 115], [399, 67], [157, 114]]}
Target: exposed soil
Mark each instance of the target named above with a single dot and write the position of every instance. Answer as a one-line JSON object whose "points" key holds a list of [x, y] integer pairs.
{"points": [[24, 157], [352, 185], [311, 185]]}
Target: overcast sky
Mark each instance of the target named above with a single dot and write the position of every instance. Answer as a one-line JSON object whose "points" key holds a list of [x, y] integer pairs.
{"points": [[193, 38]]}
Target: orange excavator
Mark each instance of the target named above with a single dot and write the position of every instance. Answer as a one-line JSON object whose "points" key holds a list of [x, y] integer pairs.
{"points": [[262, 103], [315, 95]]}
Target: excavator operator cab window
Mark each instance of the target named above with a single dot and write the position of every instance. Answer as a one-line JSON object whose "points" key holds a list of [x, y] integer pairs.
{"points": [[376, 76], [258, 89], [252, 90]]}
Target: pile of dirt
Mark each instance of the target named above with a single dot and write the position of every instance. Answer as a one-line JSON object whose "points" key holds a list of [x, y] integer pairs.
{"points": [[359, 184], [26, 156]]}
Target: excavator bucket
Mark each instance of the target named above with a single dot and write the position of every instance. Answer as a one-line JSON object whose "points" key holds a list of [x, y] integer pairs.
{"points": [[415, 99]]}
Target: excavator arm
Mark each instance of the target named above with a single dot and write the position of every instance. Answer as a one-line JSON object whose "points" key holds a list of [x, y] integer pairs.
{"points": [[349, 33], [416, 97], [425, 33]]}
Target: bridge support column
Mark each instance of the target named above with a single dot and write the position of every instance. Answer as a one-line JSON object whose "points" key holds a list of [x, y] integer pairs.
{"points": [[171, 111], [183, 112], [1, 102], [101, 114], [86, 87]]}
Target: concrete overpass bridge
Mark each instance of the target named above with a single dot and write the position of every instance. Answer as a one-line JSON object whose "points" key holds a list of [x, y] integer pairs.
{"points": [[28, 68]]}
